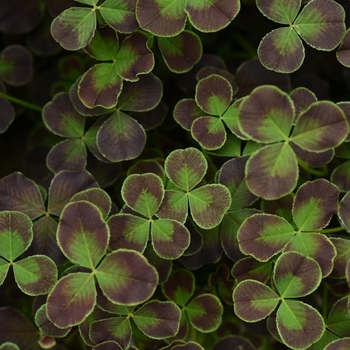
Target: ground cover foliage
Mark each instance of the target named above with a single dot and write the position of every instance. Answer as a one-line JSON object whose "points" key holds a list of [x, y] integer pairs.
{"points": [[175, 174]]}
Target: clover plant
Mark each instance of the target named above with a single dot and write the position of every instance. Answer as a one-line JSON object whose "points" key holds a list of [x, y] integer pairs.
{"points": [[175, 174]]}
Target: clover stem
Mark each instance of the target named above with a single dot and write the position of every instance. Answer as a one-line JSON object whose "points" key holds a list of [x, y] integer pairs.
{"points": [[323, 170], [331, 230], [21, 102]]}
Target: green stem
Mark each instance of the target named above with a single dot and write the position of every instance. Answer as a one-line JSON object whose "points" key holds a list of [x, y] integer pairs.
{"points": [[329, 230], [20, 102], [321, 172]]}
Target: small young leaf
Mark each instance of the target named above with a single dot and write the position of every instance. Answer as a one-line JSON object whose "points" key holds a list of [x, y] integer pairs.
{"points": [[74, 27], [302, 98], [296, 275], [186, 168], [71, 300], [16, 234], [264, 235], [205, 312], [267, 114], [170, 238], [161, 18], [82, 234], [281, 50], [133, 280], [181, 52], [158, 319], [253, 300], [35, 275], [179, 287], [143, 193], [299, 324], [321, 24], [212, 16], [208, 204]]}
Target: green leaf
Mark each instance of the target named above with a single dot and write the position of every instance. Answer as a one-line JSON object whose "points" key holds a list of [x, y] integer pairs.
{"points": [[281, 50], [321, 127], [283, 12], [119, 14], [220, 13], [141, 96], [20, 193], [302, 98], [158, 319], [321, 24], [272, 171], [74, 28], [170, 238], [134, 57], [338, 321], [253, 300], [299, 324], [16, 234], [67, 155], [296, 275], [71, 300], [267, 114], [64, 185], [340, 177], [174, 206], [314, 204], [126, 277], [9, 346], [128, 231], [343, 50], [249, 268], [60, 117], [186, 167], [209, 132], [179, 287], [96, 196], [208, 204], [186, 111], [46, 327], [4, 267], [205, 312], [35, 275], [82, 234], [338, 344], [214, 94], [121, 138], [115, 328], [143, 193], [104, 45], [161, 17], [100, 86], [342, 258], [264, 235], [316, 246], [181, 52]]}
